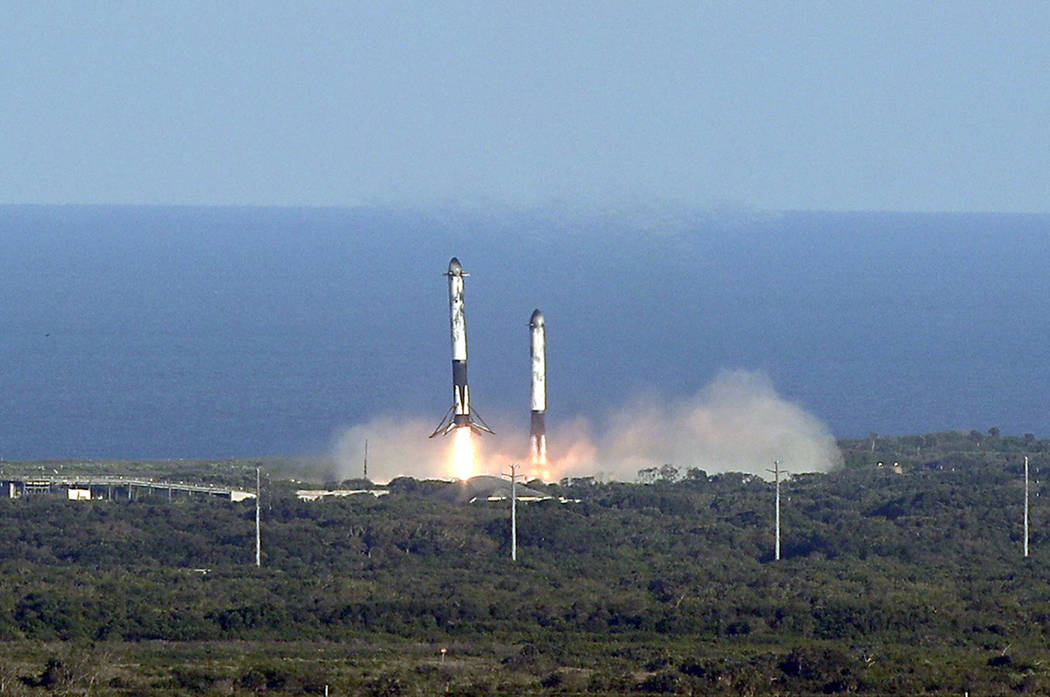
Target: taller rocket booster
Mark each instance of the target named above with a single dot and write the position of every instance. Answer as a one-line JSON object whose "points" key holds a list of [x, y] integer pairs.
{"points": [[459, 414], [538, 429]]}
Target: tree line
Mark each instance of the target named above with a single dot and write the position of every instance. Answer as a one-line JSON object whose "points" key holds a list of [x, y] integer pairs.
{"points": [[681, 569]]}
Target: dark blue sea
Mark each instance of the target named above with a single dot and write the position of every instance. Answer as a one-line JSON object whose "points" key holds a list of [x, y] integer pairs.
{"points": [[155, 332]]}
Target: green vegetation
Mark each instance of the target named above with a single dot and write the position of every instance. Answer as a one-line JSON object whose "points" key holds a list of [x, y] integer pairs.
{"points": [[909, 583]]}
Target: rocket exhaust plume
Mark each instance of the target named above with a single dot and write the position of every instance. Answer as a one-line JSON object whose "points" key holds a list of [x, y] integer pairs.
{"points": [[538, 427], [459, 416], [737, 423], [462, 454]]}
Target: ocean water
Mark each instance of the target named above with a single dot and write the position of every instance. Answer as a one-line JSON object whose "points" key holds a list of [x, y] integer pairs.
{"points": [[154, 332]]}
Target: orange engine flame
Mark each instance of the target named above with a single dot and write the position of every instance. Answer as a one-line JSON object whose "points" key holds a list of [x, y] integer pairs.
{"points": [[462, 454], [538, 451]]}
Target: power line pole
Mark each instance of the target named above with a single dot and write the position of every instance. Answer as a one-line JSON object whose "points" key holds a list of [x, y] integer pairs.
{"points": [[776, 478], [1026, 506], [513, 511], [366, 459], [258, 518]]}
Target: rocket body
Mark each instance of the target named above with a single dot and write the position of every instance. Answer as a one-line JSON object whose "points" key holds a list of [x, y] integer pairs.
{"points": [[538, 426], [459, 414], [458, 325]]}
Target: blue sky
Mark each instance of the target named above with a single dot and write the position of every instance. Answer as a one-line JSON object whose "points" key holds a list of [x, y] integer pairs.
{"points": [[910, 106]]}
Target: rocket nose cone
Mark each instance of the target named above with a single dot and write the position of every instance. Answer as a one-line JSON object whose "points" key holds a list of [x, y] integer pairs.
{"points": [[537, 319], [454, 267]]}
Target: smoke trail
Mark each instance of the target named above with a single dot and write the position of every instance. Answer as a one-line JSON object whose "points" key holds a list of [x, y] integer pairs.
{"points": [[737, 423]]}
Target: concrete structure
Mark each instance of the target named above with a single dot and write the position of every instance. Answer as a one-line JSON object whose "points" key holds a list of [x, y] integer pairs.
{"points": [[86, 487], [318, 494], [487, 488]]}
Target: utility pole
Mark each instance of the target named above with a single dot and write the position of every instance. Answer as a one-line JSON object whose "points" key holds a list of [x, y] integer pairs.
{"points": [[258, 518], [776, 478], [366, 459], [513, 511], [1026, 506]]}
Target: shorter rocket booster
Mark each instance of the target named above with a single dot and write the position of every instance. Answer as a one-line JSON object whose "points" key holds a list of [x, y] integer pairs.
{"points": [[459, 414], [538, 428]]}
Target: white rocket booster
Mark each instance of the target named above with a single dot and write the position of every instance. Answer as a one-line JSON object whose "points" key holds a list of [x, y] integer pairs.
{"points": [[459, 414], [538, 427]]}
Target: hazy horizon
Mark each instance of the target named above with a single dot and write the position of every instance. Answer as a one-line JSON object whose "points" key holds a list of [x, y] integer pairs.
{"points": [[632, 209]]}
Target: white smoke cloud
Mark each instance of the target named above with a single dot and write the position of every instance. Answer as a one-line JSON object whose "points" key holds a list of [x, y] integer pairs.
{"points": [[737, 423], [396, 446]]}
